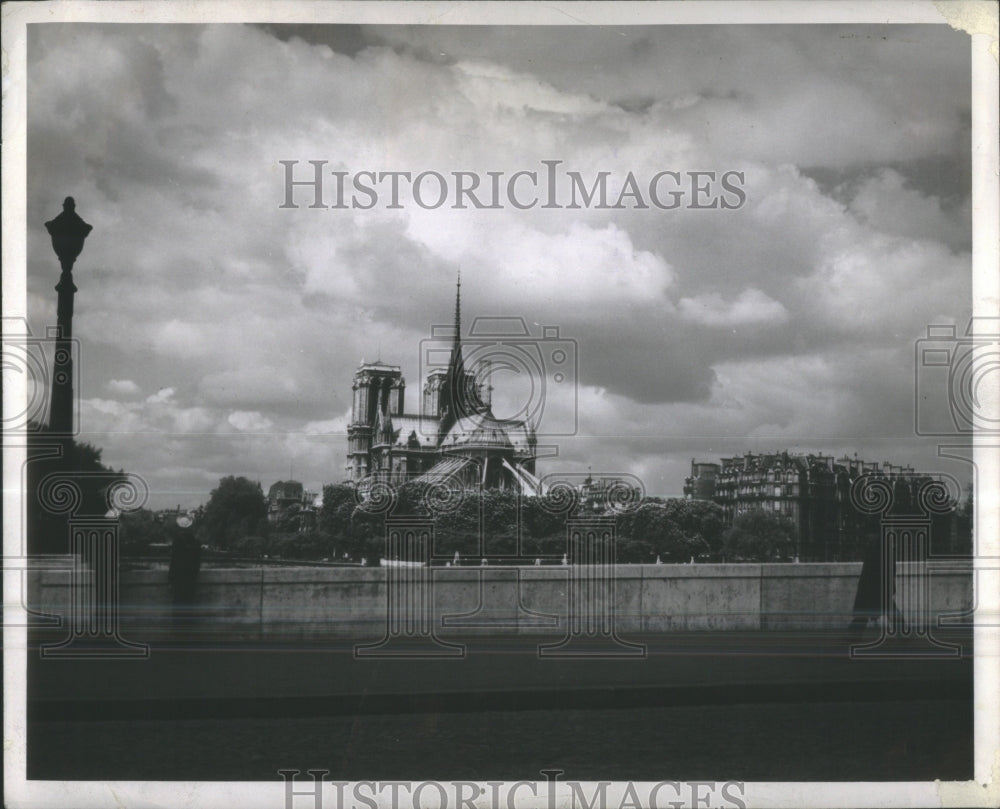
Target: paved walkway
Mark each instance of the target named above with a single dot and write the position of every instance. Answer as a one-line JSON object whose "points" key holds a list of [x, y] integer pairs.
{"points": [[752, 706], [212, 671]]}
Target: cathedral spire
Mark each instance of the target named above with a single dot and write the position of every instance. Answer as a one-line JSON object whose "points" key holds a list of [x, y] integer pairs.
{"points": [[456, 368], [460, 395]]}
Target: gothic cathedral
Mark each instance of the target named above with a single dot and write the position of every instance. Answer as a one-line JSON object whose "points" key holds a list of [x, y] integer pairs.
{"points": [[454, 438]]}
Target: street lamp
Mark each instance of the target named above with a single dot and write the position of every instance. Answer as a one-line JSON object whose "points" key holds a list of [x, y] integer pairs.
{"points": [[68, 232]]}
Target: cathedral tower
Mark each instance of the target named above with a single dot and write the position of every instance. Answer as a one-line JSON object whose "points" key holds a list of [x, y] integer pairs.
{"points": [[378, 389]]}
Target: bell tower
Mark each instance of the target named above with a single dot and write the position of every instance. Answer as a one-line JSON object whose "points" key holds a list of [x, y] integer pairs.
{"points": [[378, 388]]}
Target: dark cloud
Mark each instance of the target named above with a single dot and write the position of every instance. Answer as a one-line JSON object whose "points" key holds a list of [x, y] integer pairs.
{"points": [[635, 104], [788, 321], [346, 39], [947, 178]]}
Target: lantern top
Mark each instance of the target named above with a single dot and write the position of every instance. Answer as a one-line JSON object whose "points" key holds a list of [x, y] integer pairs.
{"points": [[68, 232]]}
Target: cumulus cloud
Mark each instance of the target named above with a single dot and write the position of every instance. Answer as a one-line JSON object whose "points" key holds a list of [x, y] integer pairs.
{"points": [[220, 332], [123, 387], [249, 421], [158, 413], [161, 396], [887, 203], [751, 307], [490, 84]]}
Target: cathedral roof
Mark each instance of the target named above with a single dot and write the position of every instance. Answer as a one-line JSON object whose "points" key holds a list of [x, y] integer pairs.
{"points": [[519, 433], [443, 470], [479, 430], [425, 427]]}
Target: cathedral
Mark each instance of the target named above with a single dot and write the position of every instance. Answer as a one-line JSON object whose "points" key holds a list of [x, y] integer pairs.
{"points": [[455, 437]]}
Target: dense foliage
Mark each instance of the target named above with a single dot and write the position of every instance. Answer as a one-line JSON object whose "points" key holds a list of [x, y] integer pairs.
{"points": [[143, 531], [503, 524], [671, 531], [760, 536], [50, 458], [496, 525], [236, 510]]}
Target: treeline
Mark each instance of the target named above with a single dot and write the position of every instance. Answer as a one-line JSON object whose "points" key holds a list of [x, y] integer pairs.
{"points": [[503, 524], [492, 524]]}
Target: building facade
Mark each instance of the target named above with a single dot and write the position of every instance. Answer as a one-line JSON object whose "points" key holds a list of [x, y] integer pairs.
{"points": [[813, 492], [288, 500], [454, 436]]}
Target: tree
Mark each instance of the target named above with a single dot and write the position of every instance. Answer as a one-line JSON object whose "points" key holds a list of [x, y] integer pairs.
{"points": [[543, 526], [236, 509], [674, 530], [81, 463], [699, 521], [760, 536], [640, 522], [334, 517], [366, 537], [307, 545], [964, 524], [139, 529], [635, 551], [285, 520]]}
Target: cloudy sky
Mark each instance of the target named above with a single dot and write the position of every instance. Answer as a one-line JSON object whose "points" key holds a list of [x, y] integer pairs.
{"points": [[220, 332]]}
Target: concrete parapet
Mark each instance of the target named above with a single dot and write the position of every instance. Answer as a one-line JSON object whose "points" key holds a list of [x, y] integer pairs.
{"points": [[351, 603]]}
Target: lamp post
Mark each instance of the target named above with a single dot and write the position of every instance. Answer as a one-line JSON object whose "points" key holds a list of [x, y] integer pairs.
{"points": [[68, 232]]}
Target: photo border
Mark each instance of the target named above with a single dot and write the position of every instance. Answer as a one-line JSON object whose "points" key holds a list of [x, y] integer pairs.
{"points": [[974, 18]]}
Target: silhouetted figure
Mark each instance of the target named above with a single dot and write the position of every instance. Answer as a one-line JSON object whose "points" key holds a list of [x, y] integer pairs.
{"points": [[878, 572], [185, 562]]}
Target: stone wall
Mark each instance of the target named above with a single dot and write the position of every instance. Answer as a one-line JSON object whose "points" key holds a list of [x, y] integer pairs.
{"points": [[276, 601]]}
